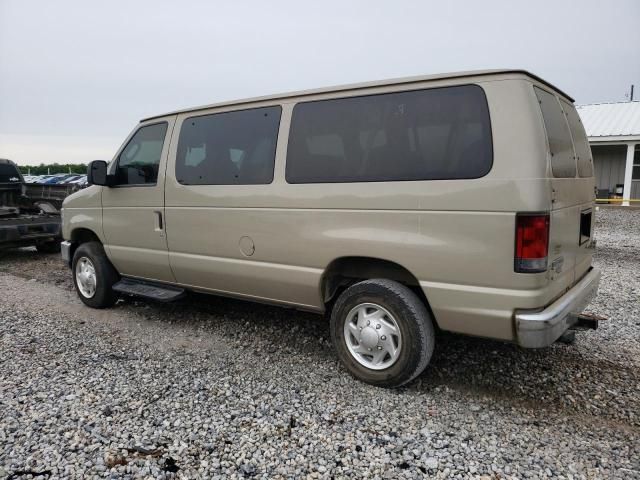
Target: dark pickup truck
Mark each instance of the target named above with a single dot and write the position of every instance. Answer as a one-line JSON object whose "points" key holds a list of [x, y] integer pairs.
{"points": [[24, 220]]}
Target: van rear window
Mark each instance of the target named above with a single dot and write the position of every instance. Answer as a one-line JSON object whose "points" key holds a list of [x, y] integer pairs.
{"points": [[563, 161], [440, 133], [580, 141]]}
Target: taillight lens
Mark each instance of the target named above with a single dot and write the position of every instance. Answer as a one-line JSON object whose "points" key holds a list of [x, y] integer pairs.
{"points": [[532, 242]]}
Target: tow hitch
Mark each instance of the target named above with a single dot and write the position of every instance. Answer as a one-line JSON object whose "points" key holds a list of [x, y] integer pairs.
{"points": [[582, 322], [586, 321]]}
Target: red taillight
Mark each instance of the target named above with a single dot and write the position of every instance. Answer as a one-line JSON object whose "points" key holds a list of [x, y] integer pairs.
{"points": [[532, 242]]}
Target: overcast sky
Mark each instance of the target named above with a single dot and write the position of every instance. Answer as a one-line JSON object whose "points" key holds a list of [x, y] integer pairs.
{"points": [[76, 76]]}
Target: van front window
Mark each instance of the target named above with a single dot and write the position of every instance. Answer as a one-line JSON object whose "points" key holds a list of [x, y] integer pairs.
{"points": [[138, 163]]}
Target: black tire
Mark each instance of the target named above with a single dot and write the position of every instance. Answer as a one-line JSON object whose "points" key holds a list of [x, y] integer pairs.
{"points": [[105, 274], [52, 246], [412, 318]]}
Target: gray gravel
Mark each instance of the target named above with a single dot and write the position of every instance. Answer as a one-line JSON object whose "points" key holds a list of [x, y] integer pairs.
{"points": [[216, 388]]}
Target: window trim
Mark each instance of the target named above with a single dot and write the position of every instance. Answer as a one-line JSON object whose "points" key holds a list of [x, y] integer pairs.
{"points": [[475, 85], [124, 147], [209, 114]]}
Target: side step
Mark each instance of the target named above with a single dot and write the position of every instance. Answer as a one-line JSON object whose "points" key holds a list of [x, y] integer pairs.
{"points": [[153, 291]]}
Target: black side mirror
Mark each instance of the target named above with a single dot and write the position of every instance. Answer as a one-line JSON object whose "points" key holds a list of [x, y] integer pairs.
{"points": [[97, 173]]}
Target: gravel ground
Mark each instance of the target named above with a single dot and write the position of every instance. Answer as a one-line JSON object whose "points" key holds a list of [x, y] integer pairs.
{"points": [[217, 388]]}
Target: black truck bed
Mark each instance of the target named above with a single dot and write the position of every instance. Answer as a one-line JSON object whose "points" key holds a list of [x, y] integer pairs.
{"points": [[23, 222]]}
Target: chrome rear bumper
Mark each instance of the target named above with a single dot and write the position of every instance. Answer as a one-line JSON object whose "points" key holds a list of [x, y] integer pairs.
{"points": [[540, 328]]}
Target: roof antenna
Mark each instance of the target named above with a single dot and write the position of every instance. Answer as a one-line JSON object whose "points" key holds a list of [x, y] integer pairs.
{"points": [[630, 94]]}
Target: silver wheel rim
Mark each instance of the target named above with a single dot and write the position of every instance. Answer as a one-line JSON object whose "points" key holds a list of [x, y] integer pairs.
{"points": [[372, 336], [86, 277]]}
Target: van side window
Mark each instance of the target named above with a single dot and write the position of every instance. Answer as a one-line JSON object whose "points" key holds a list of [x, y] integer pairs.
{"points": [[563, 161], [580, 141], [439, 133], [230, 148], [139, 161]]}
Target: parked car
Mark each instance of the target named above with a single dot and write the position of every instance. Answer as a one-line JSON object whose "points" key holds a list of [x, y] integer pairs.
{"points": [[41, 178], [68, 179], [52, 180], [60, 179], [461, 201], [81, 181]]}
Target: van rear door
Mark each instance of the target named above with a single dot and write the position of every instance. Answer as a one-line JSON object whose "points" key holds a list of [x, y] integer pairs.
{"points": [[572, 191], [584, 193]]}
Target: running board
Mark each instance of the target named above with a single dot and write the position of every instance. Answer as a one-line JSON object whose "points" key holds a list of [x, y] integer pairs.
{"points": [[153, 291]]}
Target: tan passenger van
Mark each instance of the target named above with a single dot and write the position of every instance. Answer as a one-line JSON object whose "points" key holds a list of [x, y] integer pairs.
{"points": [[462, 202]]}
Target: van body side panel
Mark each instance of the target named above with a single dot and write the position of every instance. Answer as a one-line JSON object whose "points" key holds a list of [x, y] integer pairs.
{"points": [[83, 210], [455, 236], [232, 239]]}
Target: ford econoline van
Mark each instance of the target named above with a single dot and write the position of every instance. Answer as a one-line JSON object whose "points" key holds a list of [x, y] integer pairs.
{"points": [[460, 202]]}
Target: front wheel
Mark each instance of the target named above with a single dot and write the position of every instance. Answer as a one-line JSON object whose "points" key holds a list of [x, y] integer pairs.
{"points": [[94, 276], [383, 332]]}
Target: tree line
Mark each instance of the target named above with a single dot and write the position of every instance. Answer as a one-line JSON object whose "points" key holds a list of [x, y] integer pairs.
{"points": [[53, 168]]}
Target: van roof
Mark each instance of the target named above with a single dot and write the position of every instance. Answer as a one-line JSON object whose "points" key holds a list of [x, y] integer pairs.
{"points": [[356, 86]]}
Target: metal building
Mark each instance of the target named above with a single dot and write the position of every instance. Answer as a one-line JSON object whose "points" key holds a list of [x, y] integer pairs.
{"points": [[614, 135]]}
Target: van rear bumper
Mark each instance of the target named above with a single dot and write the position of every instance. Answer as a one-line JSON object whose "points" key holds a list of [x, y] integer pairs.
{"points": [[540, 328]]}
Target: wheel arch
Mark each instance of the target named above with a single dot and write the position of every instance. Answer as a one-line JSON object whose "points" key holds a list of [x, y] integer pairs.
{"points": [[82, 235], [343, 272]]}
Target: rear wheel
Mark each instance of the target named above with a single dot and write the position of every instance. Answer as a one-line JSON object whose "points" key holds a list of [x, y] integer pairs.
{"points": [[94, 276], [383, 332]]}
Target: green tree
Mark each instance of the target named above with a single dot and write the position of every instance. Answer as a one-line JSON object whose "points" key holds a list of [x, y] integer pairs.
{"points": [[53, 168]]}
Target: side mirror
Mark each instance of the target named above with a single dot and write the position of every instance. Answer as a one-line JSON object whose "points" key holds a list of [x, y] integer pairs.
{"points": [[97, 173]]}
